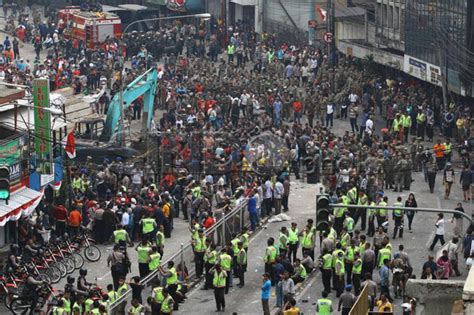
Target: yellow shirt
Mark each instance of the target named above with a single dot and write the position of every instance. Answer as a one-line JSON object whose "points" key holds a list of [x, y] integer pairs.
{"points": [[384, 307], [166, 210], [292, 311]]}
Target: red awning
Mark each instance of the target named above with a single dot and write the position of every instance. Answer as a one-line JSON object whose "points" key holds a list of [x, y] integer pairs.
{"points": [[21, 203]]}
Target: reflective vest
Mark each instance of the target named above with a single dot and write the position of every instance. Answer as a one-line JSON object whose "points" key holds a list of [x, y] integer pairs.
{"points": [[245, 240], [339, 212], [282, 241], [226, 262], [200, 245], [293, 236], [341, 270], [95, 311], [420, 117], [439, 150], [349, 224], [136, 310], [58, 311], [219, 279], [67, 305], [334, 256], [448, 148], [122, 289], [396, 124], [307, 241], [363, 200], [352, 194], [158, 295], [148, 225], [398, 212], [371, 212], [160, 238], [324, 306], [382, 212], [384, 253], [332, 234], [357, 267], [210, 257], [88, 305], [350, 254], [345, 238], [270, 255], [361, 248], [77, 308], [173, 278], [230, 49], [242, 257], [143, 254], [155, 260], [167, 305], [235, 245], [406, 121], [120, 235], [327, 261], [112, 296], [301, 271]]}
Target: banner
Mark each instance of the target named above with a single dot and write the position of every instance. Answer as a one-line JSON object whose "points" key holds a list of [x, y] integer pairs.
{"points": [[42, 124], [10, 152]]}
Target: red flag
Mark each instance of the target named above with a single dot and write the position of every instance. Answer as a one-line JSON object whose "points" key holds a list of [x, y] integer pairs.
{"points": [[321, 12], [70, 146]]}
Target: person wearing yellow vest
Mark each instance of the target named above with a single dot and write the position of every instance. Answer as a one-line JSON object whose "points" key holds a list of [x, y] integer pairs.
{"points": [[349, 257], [421, 124], [112, 294], [225, 262], [335, 255], [340, 212], [210, 259], [160, 240], [371, 221], [88, 303], [406, 125], [381, 213], [67, 302], [397, 126], [283, 241], [324, 305], [269, 258], [199, 245], [307, 241], [234, 251], [148, 226], [143, 250], [155, 259], [219, 283], [340, 272], [448, 149], [326, 269], [299, 274], [244, 238], [157, 298], [171, 277], [122, 289], [356, 272], [120, 236], [230, 53], [397, 216], [352, 195], [241, 264], [168, 304], [136, 308], [384, 253], [77, 308], [349, 223], [345, 239], [292, 241], [96, 308], [59, 309], [361, 213]]}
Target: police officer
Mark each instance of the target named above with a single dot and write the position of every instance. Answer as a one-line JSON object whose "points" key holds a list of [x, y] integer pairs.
{"points": [[356, 272], [293, 241], [326, 270], [199, 244], [160, 240], [143, 250], [269, 258], [283, 241], [120, 236], [219, 282], [241, 264], [157, 298], [148, 226], [155, 259], [324, 305], [168, 303], [225, 262], [210, 258]]}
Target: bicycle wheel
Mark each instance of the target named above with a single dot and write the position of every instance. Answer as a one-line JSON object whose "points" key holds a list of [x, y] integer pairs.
{"points": [[69, 262], [62, 268], [78, 260], [44, 277], [92, 253], [54, 274], [18, 306]]}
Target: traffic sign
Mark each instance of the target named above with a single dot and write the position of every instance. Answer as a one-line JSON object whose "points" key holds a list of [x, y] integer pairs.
{"points": [[312, 24], [328, 37]]}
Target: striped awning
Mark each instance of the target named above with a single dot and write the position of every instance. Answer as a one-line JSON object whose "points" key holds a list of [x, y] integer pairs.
{"points": [[21, 203]]}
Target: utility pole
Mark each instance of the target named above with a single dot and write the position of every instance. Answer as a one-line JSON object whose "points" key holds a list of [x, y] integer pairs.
{"points": [[331, 12], [312, 16]]}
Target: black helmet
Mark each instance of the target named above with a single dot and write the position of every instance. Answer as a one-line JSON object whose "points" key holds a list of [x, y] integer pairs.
{"points": [[70, 279], [83, 271]]}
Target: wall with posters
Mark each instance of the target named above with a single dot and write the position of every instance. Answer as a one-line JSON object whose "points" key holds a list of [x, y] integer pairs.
{"points": [[14, 153], [422, 70]]}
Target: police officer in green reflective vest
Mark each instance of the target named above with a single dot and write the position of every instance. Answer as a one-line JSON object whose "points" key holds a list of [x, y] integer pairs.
{"points": [[210, 258], [59, 308], [199, 245], [148, 227], [324, 305], [241, 264], [143, 250], [270, 258], [326, 269], [120, 236], [157, 298], [155, 259], [225, 261], [171, 282], [219, 283], [168, 303]]}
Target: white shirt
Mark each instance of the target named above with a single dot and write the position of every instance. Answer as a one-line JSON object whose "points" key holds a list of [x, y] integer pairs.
{"points": [[278, 190], [353, 98], [125, 219], [268, 189], [330, 108], [440, 227], [369, 125]]}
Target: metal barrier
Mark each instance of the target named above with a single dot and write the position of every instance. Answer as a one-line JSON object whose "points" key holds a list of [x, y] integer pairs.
{"points": [[222, 231]]}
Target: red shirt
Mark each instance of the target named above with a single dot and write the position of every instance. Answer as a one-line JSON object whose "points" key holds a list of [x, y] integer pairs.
{"points": [[209, 222], [297, 106], [60, 213]]}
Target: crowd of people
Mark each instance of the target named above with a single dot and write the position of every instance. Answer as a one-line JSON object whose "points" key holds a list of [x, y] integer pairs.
{"points": [[233, 130]]}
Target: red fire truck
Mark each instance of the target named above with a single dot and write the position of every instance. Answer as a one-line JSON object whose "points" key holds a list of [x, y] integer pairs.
{"points": [[91, 27]]}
